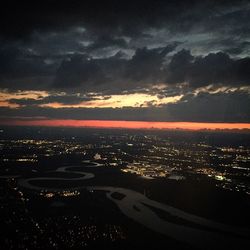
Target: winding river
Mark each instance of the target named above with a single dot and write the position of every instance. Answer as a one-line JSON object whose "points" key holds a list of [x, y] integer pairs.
{"points": [[138, 207]]}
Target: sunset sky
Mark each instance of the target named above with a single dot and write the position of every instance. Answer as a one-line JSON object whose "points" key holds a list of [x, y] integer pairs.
{"points": [[134, 64]]}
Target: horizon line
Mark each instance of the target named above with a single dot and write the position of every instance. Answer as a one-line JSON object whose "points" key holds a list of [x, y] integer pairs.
{"points": [[126, 124]]}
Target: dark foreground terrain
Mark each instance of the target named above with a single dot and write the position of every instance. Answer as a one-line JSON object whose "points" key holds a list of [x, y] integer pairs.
{"points": [[116, 189]]}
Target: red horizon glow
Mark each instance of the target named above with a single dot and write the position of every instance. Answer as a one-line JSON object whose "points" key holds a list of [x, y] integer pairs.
{"points": [[126, 124]]}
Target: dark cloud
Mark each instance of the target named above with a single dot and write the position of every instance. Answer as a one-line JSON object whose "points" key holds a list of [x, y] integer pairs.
{"points": [[121, 47], [81, 70], [105, 41], [179, 67], [144, 67], [75, 42], [126, 17], [215, 68], [13, 63], [234, 51], [146, 64], [22, 70], [62, 99], [219, 107], [77, 70]]}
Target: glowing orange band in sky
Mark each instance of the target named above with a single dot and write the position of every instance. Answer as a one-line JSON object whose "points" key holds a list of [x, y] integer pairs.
{"points": [[126, 124]]}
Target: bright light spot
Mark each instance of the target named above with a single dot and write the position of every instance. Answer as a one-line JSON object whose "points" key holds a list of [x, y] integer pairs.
{"points": [[119, 101]]}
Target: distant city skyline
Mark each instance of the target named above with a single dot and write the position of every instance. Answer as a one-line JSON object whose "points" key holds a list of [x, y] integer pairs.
{"points": [[128, 124]]}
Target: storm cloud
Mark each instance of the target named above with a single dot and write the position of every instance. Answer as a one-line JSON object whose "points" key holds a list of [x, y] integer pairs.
{"points": [[197, 50], [215, 68]]}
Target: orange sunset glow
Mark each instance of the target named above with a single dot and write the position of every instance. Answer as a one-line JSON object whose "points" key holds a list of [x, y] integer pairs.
{"points": [[127, 124]]}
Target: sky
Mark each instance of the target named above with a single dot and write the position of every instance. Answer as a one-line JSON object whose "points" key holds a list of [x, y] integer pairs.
{"points": [[147, 61]]}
